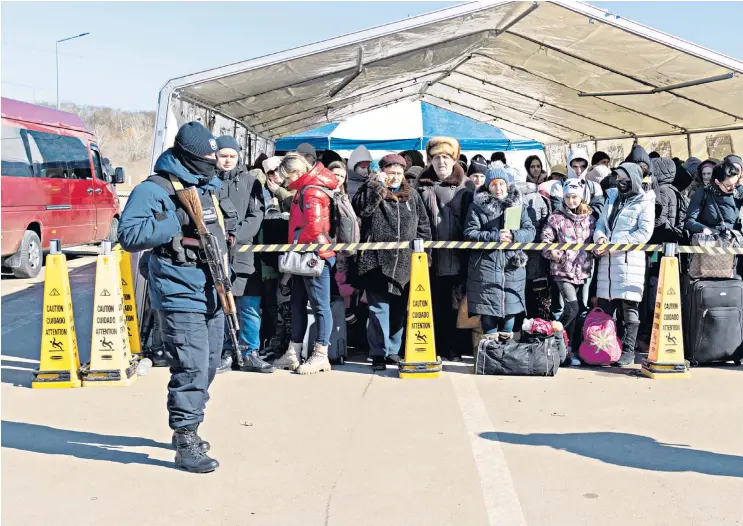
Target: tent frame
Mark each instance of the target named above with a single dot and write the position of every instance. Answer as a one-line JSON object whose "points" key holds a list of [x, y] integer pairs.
{"points": [[173, 88]]}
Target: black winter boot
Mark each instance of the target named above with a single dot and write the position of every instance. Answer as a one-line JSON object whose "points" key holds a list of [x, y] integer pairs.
{"points": [[253, 363], [188, 454], [204, 446]]}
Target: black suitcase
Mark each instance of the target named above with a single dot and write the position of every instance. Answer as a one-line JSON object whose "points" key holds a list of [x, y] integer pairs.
{"points": [[713, 320]]}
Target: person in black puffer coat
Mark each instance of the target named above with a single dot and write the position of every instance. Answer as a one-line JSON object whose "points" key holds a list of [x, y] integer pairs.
{"points": [[670, 205], [246, 193], [496, 278], [389, 210], [447, 194]]}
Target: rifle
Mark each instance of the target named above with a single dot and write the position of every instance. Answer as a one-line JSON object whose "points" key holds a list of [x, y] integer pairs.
{"points": [[219, 266]]}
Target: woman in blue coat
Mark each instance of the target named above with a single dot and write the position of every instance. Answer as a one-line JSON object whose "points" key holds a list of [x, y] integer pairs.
{"points": [[496, 278]]}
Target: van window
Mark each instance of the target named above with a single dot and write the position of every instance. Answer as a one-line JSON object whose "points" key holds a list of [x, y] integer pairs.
{"points": [[97, 165], [14, 157], [63, 156]]}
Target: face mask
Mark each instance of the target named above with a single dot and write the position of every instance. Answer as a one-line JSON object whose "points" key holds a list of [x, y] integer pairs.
{"points": [[360, 170], [203, 168], [624, 186]]}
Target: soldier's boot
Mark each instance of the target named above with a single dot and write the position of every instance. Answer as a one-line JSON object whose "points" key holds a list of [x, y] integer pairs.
{"points": [[188, 454], [253, 363], [204, 446], [317, 363], [290, 359]]}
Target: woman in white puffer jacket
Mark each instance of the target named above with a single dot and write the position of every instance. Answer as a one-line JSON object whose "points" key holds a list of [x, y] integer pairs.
{"points": [[628, 217]]}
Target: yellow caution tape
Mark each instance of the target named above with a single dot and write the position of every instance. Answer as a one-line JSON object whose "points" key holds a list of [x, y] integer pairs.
{"points": [[458, 245]]}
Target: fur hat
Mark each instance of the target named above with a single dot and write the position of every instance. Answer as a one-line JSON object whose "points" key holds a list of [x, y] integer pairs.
{"points": [[442, 146]]}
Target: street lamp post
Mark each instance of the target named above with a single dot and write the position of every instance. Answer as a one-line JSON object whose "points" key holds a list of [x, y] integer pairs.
{"points": [[56, 52]]}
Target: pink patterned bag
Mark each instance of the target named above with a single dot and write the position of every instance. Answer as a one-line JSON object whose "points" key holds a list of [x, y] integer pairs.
{"points": [[600, 344]]}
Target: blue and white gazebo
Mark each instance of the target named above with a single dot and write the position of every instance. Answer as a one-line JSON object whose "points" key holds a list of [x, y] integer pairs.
{"points": [[408, 125]]}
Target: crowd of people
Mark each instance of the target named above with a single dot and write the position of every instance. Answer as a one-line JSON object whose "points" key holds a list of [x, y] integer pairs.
{"points": [[303, 197]]}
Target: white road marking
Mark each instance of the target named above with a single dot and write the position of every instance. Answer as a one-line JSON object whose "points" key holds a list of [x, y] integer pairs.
{"points": [[501, 501], [18, 359]]}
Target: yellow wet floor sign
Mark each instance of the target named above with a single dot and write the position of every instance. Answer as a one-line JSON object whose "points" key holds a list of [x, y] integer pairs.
{"points": [[59, 361], [666, 357], [130, 305], [110, 357], [420, 348]]}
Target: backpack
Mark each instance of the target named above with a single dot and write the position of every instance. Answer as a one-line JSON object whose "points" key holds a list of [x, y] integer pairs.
{"points": [[600, 343], [344, 225]]}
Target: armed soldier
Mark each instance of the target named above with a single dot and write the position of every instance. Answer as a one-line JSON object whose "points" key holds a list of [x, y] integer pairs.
{"points": [[173, 212]]}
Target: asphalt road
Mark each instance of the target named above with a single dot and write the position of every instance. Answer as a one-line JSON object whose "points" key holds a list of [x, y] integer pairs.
{"points": [[349, 447]]}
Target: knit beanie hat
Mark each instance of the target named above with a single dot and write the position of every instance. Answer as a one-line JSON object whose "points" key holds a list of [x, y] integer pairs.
{"points": [[572, 187], [271, 164], [194, 138], [478, 166], [735, 159], [228, 141], [442, 146], [597, 173], [307, 149], [497, 171]]}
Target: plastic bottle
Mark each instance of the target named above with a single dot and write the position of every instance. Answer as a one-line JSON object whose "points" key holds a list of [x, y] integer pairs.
{"points": [[144, 366]]}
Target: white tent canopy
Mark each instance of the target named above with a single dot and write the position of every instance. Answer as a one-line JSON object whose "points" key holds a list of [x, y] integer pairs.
{"points": [[558, 72]]}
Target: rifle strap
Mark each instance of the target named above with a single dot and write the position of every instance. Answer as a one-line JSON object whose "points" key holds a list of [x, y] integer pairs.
{"points": [[179, 186]]}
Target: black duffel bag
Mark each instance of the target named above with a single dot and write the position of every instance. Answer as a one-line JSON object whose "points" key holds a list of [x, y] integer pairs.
{"points": [[536, 355]]}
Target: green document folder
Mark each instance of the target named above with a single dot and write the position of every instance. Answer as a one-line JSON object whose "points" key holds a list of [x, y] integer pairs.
{"points": [[513, 218]]}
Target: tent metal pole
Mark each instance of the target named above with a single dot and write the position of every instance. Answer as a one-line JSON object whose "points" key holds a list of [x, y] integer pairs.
{"points": [[353, 76], [688, 144], [662, 89]]}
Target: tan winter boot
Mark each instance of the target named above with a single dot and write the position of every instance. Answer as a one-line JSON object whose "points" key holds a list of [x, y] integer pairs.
{"points": [[290, 359], [317, 363]]}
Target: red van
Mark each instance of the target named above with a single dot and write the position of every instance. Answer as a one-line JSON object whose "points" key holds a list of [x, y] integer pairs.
{"points": [[53, 185]]}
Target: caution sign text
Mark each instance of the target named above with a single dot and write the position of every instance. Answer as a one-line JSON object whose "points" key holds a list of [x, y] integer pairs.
{"points": [[666, 356], [130, 305], [59, 360], [420, 348], [110, 356]]}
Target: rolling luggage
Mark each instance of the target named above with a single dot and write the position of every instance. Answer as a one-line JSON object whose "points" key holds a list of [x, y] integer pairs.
{"points": [[337, 348], [713, 320]]}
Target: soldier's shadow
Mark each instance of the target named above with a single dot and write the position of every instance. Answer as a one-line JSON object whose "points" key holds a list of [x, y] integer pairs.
{"points": [[81, 444]]}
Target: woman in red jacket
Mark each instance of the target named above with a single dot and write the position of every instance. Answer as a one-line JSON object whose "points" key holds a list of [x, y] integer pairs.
{"points": [[309, 224]]}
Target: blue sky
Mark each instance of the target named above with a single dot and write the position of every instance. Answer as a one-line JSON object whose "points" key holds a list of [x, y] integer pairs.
{"points": [[135, 47]]}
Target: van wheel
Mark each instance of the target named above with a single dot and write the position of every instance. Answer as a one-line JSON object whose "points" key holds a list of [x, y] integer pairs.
{"points": [[31, 256], [113, 231]]}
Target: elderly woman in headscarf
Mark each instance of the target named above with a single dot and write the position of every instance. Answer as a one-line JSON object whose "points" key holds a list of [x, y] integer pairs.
{"points": [[389, 210]]}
